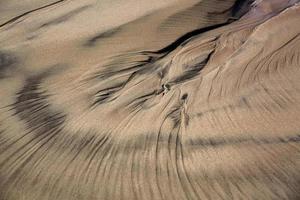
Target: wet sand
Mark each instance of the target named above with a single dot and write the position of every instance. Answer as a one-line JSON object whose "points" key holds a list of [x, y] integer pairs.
{"points": [[140, 99]]}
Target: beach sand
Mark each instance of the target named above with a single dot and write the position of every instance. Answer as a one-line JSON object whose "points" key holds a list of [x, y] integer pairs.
{"points": [[149, 99]]}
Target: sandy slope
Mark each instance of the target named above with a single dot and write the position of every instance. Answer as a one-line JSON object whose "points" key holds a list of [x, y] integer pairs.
{"points": [[139, 99]]}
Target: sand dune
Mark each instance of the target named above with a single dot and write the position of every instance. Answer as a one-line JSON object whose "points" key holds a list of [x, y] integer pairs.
{"points": [[140, 99]]}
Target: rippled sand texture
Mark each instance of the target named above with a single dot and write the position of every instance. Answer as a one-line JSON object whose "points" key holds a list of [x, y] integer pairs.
{"points": [[149, 99]]}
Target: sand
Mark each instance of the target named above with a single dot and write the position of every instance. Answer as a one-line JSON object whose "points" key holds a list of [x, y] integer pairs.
{"points": [[140, 99]]}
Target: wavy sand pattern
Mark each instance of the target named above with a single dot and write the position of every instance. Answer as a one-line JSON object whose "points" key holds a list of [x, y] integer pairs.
{"points": [[150, 99]]}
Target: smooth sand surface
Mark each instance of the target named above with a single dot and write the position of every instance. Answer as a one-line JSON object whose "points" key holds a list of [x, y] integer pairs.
{"points": [[150, 99]]}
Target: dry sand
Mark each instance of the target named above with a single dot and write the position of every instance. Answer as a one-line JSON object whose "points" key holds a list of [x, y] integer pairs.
{"points": [[149, 99]]}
